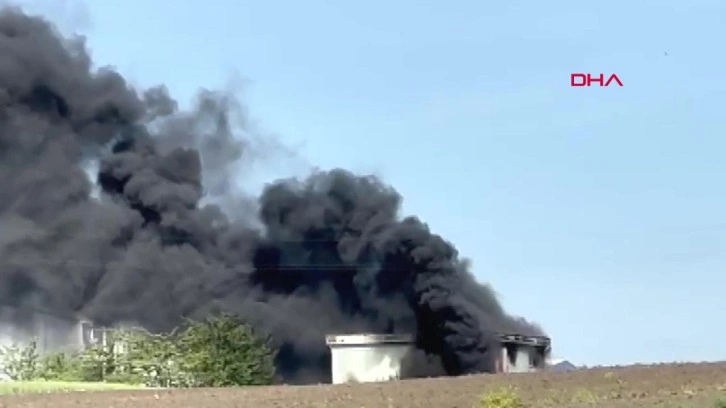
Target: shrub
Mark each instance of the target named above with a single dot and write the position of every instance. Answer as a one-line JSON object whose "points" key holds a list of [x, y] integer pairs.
{"points": [[584, 396], [18, 362], [222, 351], [502, 398], [151, 359], [60, 366]]}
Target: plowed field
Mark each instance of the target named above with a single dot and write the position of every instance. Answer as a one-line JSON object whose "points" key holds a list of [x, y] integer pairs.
{"points": [[683, 385]]}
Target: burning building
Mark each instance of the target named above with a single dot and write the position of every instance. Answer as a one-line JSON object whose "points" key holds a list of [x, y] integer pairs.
{"points": [[368, 357], [380, 357], [521, 354]]}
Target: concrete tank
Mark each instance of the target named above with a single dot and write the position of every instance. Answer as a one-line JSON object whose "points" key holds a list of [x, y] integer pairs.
{"points": [[368, 357]]}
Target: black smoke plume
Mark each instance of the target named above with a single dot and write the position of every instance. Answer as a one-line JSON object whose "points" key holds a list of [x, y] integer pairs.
{"points": [[325, 254]]}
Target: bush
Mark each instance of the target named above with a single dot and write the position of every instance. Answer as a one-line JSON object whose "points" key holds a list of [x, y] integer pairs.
{"points": [[220, 351], [502, 398], [151, 359], [60, 367], [20, 363]]}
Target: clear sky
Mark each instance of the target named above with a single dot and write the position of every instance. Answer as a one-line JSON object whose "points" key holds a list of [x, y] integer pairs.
{"points": [[598, 212]]}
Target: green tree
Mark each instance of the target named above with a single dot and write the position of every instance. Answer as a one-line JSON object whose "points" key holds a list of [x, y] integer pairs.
{"points": [[152, 359], [223, 351], [20, 362]]}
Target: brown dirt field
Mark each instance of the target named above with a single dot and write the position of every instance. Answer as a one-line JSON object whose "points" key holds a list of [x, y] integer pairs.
{"points": [[682, 385]]}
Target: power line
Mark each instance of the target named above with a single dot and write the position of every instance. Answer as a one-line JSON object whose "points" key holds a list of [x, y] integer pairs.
{"points": [[180, 238], [30, 261], [166, 236]]}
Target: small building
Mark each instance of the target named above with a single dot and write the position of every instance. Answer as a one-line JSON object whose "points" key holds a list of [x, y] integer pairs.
{"points": [[521, 354], [368, 357]]}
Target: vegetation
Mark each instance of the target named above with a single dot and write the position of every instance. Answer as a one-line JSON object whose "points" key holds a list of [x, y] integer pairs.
{"points": [[502, 398], [217, 352], [610, 390], [41, 387], [508, 397]]}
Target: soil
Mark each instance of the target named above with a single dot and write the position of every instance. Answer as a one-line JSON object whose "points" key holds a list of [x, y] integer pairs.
{"points": [[688, 385]]}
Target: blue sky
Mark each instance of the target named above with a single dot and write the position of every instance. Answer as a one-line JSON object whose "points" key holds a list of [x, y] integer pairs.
{"points": [[598, 212]]}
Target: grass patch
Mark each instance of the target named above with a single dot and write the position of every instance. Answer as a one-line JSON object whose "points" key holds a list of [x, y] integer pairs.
{"points": [[34, 387]]}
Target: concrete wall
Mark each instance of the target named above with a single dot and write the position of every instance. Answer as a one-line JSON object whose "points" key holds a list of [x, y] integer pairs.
{"points": [[519, 359]]}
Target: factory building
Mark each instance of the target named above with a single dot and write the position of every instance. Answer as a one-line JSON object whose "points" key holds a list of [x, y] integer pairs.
{"points": [[379, 357]]}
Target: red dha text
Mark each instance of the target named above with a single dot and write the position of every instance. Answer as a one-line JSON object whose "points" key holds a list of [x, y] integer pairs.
{"points": [[589, 79]]}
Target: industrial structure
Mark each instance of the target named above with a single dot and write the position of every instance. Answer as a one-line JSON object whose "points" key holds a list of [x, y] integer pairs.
{"points": [[368, 357], [378, 357], [50, 332], [521, 354]]}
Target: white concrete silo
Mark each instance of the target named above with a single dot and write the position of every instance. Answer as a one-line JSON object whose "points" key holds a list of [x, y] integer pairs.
{"points": [[368, 357]]}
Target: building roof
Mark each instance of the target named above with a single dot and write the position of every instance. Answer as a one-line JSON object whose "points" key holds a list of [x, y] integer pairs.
{"points": [[367, 339], [527, 340]]}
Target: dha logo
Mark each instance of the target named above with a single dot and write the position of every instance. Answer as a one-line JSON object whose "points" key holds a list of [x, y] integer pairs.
{"points": [[578, 79]]}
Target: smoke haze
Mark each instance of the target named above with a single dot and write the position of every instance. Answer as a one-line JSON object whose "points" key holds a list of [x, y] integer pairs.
{"points": [[327, 253]]}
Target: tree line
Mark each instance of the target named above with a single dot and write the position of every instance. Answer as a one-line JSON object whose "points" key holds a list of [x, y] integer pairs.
{"points": [[219, 351]]}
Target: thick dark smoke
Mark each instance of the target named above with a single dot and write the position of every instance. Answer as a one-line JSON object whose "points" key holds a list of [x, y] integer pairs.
{"points": [[133, 243]]}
